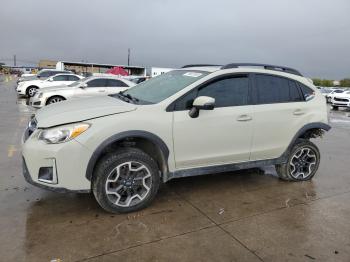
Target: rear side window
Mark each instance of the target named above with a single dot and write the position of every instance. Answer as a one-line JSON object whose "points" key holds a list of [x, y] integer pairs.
{"points": [[308, 93], [294, 92], [273, 89], [116, 83], [228, 92], [73, 78]]}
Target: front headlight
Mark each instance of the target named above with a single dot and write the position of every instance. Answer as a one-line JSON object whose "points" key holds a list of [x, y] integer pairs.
{"points": [[40, 95], [62, 134]]}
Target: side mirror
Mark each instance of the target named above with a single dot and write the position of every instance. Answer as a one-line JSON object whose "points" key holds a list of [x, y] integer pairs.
{"points": [[201, 103], [83, 85]]}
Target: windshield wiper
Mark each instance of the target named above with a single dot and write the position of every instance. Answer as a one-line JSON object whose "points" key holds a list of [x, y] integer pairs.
{"points": [[127, 97]]}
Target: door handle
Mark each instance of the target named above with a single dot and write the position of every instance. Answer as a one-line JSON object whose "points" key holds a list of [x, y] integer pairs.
{"points": [[244, 118], [298, 112]]}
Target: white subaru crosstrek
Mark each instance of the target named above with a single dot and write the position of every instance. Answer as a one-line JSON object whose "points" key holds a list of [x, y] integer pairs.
{"points": [[188, 122]]}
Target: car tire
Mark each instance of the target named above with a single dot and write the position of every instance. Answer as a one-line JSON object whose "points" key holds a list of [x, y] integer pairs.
{"points": [[302, 164], [335, 107], [114, 177], [31, 91], [54, 99]]}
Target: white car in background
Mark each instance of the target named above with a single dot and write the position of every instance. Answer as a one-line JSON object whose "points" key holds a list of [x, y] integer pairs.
{"points": [[29, 88], [341, 100], [334, 92], [87, 87]]}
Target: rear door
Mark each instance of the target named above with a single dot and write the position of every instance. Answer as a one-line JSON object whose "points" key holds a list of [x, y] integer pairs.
{"points": [[279, 112], [115, 86]]}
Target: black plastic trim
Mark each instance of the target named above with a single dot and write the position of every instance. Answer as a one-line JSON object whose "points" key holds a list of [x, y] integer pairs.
{"points": [[29, 179], [133, 133], [222, 168]]}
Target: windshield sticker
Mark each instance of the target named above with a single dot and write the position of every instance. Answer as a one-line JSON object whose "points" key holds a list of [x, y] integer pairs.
{"points": [[192, 74]]}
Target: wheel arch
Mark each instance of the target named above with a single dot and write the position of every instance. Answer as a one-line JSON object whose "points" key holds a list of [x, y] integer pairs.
{"points": [[28, 87], [47, 100], [311, 130], [146, 141]]}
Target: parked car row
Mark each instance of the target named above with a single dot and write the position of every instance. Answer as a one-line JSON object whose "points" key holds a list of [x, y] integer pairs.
{"points": [[90, 86], [337, 97], [52, 86]]}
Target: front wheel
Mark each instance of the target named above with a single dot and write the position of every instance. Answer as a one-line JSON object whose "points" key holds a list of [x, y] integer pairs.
{"points": [[126, 180], [54, 99], [31, 91], [302, 164]]}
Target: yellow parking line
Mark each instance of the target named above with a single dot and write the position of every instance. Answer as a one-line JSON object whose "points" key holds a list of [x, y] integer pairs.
{"points": [[11, 150]]}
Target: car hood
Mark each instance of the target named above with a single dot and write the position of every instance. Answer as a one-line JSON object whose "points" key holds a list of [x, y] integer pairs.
{"points": [[71, 111], [342, 95]]}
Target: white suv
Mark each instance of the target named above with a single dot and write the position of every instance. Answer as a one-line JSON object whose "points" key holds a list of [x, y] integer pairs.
{"points": [[192, 121]]}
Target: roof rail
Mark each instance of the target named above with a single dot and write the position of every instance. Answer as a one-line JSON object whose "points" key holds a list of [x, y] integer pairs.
{"points": [[266, 66], [199, 65]]}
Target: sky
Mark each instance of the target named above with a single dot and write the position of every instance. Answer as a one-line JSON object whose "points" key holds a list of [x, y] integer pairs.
{"points": [[312, 36]]}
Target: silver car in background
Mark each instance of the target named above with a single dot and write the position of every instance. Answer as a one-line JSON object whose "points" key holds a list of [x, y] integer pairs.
{"points": [[87, 87]]}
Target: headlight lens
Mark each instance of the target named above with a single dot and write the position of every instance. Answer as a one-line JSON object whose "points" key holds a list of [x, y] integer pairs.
{"points": [[62, 134], [40, 95]]}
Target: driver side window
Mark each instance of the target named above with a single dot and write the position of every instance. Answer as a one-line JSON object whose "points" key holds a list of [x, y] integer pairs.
{"points": [[229, 91]]}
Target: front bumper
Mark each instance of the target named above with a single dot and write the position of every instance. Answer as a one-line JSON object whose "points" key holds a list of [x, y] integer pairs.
{"points": [[36, 102], [69, 160], [340, 104]]}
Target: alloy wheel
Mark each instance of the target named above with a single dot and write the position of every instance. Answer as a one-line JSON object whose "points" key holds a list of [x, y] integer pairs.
{"points": [[303, 163], [128, 184], [55, 100]]}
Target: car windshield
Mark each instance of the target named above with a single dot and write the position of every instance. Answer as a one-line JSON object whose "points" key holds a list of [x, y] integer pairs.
{"points": [[161, 87]]}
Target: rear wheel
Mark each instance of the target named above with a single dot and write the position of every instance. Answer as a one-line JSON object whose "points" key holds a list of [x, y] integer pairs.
{"points": [[126, 180], [302, 164], [54, 99], [31, 91]]}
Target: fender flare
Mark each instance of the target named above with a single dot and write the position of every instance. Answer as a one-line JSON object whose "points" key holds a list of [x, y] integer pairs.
{"points": [[120, 136], [314, 125]]}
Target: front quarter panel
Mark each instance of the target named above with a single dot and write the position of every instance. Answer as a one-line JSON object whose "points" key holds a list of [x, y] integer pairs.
{"points": [[146, 118]]}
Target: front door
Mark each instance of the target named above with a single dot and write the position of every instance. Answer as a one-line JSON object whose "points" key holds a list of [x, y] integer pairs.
{"points": [[218, 136]]}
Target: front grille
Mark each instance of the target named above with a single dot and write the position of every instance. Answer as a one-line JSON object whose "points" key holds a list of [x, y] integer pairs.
{"points": [[341, 99], [37, 103]]}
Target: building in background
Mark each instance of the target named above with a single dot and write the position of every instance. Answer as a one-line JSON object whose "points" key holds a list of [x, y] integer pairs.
{"points": [[47, 64], [156, 71], [85, 68]]}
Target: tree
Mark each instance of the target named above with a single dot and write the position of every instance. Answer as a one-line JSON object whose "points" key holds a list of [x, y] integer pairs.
{"points": [[345, 82]]}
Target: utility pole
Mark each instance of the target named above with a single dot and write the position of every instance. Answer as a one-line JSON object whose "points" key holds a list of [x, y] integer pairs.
{"points": [[14, 60], [128, 56]]}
